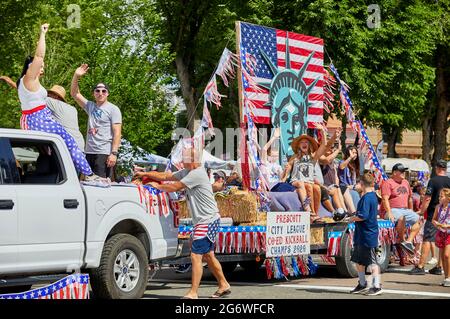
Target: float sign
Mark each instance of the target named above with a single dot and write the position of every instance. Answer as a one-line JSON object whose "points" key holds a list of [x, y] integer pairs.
{"points": [[287, 234]]}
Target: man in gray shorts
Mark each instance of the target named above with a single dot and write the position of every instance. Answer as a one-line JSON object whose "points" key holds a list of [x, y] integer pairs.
{"points": [[205, 216]]}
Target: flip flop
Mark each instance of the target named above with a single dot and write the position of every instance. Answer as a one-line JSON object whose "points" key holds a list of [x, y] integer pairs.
{"points": [[220, 294], [316, 219]]}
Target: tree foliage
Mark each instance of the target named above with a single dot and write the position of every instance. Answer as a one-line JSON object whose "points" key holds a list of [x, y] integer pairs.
{"points": [[120, 48]]}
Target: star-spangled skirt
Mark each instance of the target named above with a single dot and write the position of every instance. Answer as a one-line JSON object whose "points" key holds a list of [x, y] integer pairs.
{"points": [[41, 120]]}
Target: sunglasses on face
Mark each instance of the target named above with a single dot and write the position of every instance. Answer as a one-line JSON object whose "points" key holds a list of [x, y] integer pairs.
{"points": [[100, 91]]}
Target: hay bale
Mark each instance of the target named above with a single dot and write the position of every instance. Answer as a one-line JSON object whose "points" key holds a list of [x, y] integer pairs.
{"points": [[183, 210], [317, 236], [241, 206]]}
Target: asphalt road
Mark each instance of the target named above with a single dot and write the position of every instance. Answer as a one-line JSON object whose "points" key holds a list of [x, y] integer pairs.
{"points": [[326, 284]]}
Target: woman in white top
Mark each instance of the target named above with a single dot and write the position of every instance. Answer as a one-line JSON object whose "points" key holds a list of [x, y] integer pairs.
{"points": [[35, 114]]}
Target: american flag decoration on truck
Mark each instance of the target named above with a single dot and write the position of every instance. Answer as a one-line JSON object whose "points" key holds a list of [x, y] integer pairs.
{"points": [[71, 287]]}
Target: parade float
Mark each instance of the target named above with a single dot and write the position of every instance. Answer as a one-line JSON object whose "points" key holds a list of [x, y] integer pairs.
{"points": [[272, 65]]}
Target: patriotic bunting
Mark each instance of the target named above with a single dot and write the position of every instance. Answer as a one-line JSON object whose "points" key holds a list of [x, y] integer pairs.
{"points": [[358, 127], [282, 267], [156, 202], [387, 234], [227, 66], [71, 287]]}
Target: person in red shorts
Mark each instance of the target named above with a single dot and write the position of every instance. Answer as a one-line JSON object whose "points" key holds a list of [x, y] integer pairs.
{"points": [[441, 220]]}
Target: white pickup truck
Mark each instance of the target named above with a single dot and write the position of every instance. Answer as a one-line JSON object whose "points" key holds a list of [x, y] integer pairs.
{"points": [[50, 223]]}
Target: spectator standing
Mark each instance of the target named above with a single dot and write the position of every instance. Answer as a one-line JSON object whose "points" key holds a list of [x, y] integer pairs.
{"points": [[434, 187], [365, 239], [441, 220], [397, 202]]}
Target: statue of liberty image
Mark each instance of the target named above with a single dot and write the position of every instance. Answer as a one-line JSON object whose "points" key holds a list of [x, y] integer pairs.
{"points": [[288, 99]]}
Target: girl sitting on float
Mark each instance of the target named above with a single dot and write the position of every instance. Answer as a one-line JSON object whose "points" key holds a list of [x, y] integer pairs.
{"points": [[348, 172], [301, 170]]}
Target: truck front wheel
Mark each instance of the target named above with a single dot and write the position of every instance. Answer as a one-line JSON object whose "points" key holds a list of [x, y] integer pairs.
{"points": [[123, 270]]}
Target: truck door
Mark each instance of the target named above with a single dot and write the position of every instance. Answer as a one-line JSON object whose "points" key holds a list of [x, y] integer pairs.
{"points": [[51, 211], [8, 208]]}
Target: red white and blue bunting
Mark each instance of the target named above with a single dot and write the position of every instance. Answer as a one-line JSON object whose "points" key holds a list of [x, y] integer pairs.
{"points": [[387, 234], [156, 202], [293, 266], [252, 239], [358, 127], [71, 287]]}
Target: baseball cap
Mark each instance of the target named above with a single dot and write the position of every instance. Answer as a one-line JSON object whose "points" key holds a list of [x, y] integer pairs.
{"points": [[220, 174], [441, 163], [100, 85], [399, 167]]}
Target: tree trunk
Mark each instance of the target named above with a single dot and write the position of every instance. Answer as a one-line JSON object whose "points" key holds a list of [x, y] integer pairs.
{"points": [[187, 91], [392, 138], [443, 106], [427, 137]]}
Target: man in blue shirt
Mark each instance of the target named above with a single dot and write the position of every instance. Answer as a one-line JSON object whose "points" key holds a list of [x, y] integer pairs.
{"points": [[365, 239]]}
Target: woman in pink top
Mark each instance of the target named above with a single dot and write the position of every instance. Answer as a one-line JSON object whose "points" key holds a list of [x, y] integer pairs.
{"points": [[441, 220]]}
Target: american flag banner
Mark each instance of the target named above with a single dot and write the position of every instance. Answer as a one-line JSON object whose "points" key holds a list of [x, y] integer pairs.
{"points": [[334, 243], [257, 46], [358, 127], [207, 123], [234, 239], [71, 287]]}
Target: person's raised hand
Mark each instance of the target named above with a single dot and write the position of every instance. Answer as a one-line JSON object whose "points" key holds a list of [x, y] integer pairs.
{"points": [[82, 70], [276, 133], [44, 27], [319, 126], [338, 132]]}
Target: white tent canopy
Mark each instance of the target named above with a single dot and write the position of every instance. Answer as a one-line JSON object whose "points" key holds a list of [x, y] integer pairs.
{"points": [[210, 161], [25, 156], [144, 157], [416, 165]]}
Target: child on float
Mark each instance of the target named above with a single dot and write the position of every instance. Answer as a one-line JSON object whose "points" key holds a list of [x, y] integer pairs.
{"points": [[301, 170], [348, 173], [441, 220], [328, 167]]}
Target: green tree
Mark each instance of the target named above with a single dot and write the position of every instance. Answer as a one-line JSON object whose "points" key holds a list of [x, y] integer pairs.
{"points": [[120, 49]]}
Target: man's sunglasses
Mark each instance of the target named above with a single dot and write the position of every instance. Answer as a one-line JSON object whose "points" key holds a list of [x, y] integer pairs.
{"points": [[100, 91]]}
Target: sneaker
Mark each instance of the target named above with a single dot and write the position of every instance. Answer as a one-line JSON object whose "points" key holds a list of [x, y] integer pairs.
{"points": [[432, 261], [96, 178], [182, 269], [417, 271], [359, 289], [338, 216], [409, 247], [446, 282], [374, 291], [436, 271]]}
